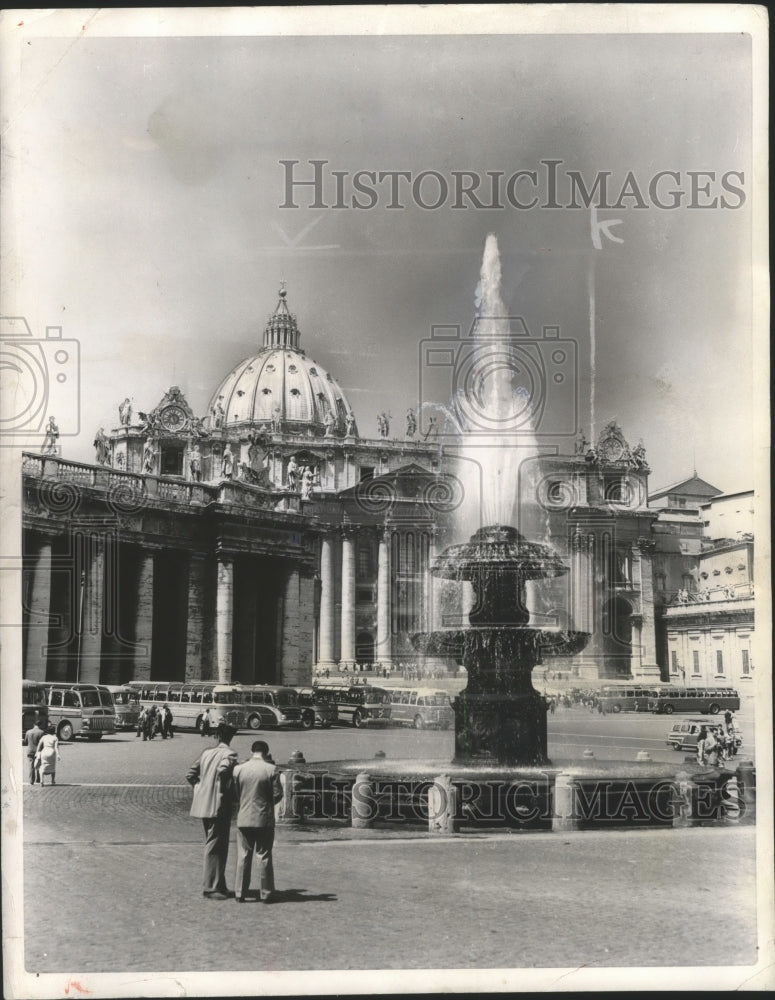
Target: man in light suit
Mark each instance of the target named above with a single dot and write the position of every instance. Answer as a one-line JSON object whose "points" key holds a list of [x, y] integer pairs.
{"points": [[211, 777], [257, 788]]}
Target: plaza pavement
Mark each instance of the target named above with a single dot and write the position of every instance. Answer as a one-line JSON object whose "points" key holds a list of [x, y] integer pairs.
{"points": [[112, 883]]}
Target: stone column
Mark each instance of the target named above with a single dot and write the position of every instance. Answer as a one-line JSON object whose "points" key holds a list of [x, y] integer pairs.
{"points": [[224, 617], [643, 581], [90, 593], [383, 650], [38, 600], [195, 623], [296, 636], [142, 631], [347, 656], [327, 576]]}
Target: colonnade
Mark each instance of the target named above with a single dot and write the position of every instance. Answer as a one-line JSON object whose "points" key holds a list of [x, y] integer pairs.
{"points": [[95, 611], [338, 592]]}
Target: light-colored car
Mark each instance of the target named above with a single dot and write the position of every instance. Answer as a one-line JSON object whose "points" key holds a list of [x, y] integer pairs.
{"points": [[685, 734]]}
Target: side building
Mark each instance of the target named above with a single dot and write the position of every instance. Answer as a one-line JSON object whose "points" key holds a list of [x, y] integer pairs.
{"points": [[704, 585]]}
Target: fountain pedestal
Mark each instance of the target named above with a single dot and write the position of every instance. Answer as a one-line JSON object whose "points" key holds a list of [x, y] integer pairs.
{"points": [[499, 717]]}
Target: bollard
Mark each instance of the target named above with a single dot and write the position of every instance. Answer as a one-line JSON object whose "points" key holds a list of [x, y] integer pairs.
{"points": [[290, 810], [746, 784], [364, 807], [564, 816], [442, 806]]}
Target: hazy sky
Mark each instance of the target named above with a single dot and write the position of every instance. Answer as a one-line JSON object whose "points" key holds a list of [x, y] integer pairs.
{"points": [[147, 223]]}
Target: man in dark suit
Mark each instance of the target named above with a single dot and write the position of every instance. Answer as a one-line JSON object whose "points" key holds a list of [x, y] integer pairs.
{"points": [[257, 788], [211, 777], [31, 738]]}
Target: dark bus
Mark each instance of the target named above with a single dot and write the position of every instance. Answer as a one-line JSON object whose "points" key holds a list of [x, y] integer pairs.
{"points": [[703, 700]]}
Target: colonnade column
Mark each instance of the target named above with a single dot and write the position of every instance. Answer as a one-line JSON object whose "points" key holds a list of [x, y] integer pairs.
{"points": [[90, 598], [326, 631], [642, 580], [142, 631], [383, 646], [38, 607], [581, 582], [224, 617], [195, 622], [347, 657]]}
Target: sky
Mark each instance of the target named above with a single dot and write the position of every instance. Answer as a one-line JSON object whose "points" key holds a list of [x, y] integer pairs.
{"points": [[146, 220]]}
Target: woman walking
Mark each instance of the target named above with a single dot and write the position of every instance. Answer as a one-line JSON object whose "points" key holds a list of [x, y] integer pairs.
{"points": [[48, 753]]}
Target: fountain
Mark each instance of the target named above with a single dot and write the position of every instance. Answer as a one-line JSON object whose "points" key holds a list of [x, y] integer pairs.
{"points": [[500, 772]]}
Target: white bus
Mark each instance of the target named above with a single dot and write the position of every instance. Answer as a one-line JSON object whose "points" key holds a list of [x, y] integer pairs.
{"points": [[188, 702]]}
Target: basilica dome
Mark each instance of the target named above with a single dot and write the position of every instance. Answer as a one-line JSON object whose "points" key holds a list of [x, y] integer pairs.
{"points": [[281, 388]]}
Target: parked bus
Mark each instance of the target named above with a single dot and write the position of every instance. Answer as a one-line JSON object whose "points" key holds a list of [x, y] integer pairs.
{"points": [[188, 702], [269, 706], [358, 704], [81, 710], [127, 702], [626, 698], [34, 705], [423, 708], [316, 707], [678, 699]]}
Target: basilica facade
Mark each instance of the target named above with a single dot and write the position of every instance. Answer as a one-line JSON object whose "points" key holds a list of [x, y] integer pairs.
{"points": [[271, 536]]}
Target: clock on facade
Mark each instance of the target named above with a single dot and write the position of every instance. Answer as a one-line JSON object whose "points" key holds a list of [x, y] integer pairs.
{"points": [[173, 418]]}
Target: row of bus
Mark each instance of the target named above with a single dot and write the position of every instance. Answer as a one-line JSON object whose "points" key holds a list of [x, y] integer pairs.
{"points": [[94, 710], [668, 698]]}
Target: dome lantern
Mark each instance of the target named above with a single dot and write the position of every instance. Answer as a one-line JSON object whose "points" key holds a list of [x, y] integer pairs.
{"points": [[282, 329]]}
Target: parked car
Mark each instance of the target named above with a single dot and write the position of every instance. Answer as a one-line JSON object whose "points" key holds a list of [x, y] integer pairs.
{"points": [[684, 734]]}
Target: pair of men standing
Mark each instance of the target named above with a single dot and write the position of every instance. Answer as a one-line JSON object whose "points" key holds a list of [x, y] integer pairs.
{"points": [[218, 781]]}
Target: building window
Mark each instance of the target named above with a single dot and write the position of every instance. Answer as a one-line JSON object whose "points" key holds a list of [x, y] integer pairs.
{"points": [[172, 460], [719, 662], [364, 563], [673, 661], [660, 581], [366, 472], [615, 489], [696, 661], [746, 662]]}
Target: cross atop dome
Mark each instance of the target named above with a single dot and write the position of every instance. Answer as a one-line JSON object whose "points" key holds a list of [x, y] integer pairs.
{"points": [[282, 329]]}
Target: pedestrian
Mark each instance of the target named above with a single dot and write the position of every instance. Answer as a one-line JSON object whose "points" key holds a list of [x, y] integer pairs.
{"points": [[149, 730], [47, 754], [204, 729], [32, 738], [730, 734], [707, 748], [211, 777], [141, 721], [166, 721], [257, 789]]}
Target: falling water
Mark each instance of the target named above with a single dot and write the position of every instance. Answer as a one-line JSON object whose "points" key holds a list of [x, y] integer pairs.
{"points": [[497, 435]]}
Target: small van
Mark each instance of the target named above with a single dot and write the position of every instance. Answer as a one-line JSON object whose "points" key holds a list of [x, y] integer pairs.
{"points": [[685, 734]]}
